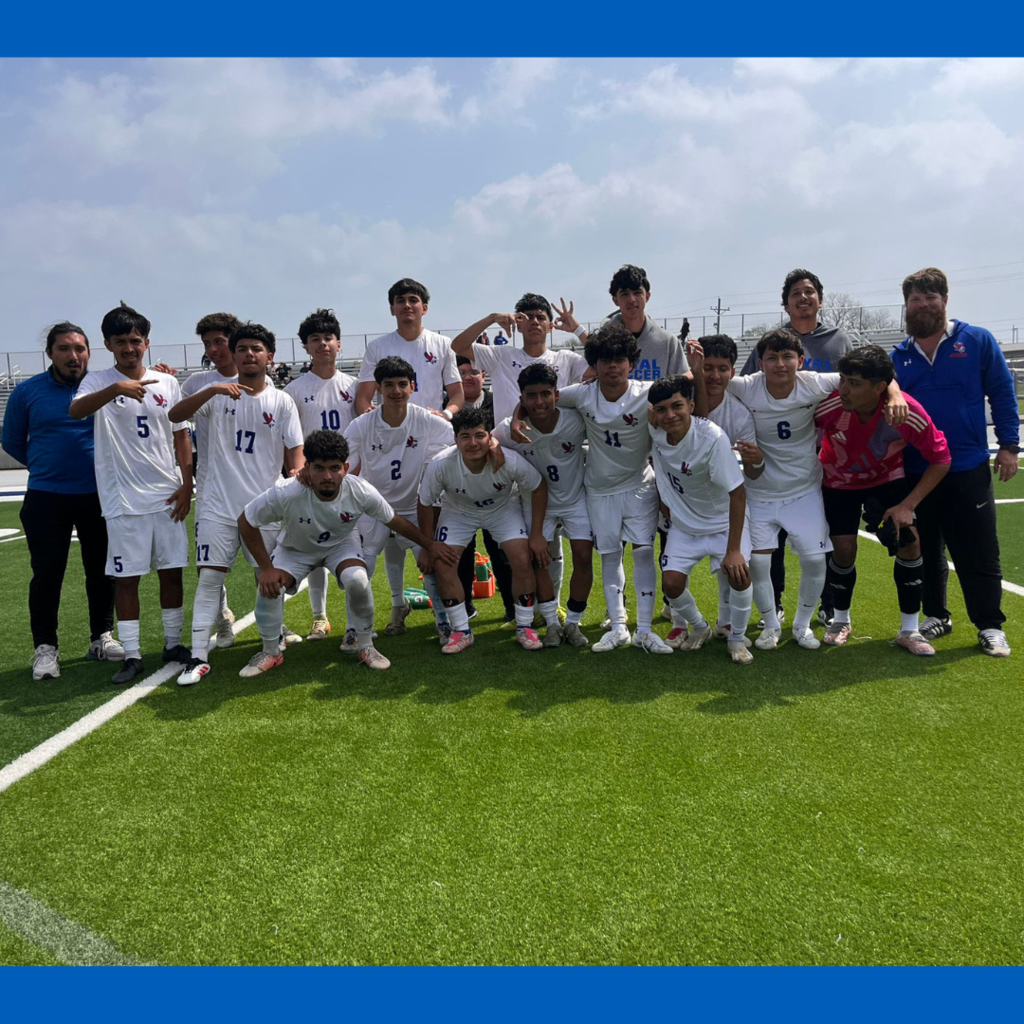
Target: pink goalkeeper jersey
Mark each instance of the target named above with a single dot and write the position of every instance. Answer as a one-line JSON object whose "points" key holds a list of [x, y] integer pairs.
{"points": [[856, 455]]}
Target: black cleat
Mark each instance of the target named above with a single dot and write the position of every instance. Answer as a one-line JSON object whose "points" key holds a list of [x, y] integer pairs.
{"points": [[131, 668], [177, 653]]}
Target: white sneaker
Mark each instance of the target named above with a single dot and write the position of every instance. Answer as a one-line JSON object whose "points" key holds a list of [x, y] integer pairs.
{"points": [[696, 639], [612, 639], [806, 639], [105, 648], [319, 630], [739, 653], [194, 671], [225, 634], [651, 643], [768, 640], [46, 662]]}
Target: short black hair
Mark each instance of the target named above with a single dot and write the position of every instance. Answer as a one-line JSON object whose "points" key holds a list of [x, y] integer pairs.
{"points": [[801, 275], [719, 346], [468, 419], [325, 446], [537, 373], [322, 321], [870, 362], [64, 327], [123, 319], [782, 339], [406, 285], [612, 340], [392, 366], [253, 332], [629, 277], [532, 301], [666, 387], [223, 322]]}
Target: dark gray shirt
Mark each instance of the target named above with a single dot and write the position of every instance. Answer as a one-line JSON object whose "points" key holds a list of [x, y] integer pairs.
{"points": [[661, 352]]}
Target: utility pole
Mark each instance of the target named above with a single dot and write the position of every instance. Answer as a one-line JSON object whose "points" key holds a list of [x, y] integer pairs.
{"points": [[718, 310]]}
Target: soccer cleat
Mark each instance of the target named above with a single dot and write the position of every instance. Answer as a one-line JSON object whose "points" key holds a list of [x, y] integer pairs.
{"points": [[677, 636], [225, 634], [932, 628], [444, 630], [612, 639], [826, 615], [509, 622], [396, 624], [321, 627], [177, 653], [289, 636], [768, 640], [105, 648], [131, 668], [528, 639], [471, 612], [651, 643], [260, 663], [573, 635], [458, 642], [739, 653], [372, 658], [554, 635], [746, 641], [780, 611], [993, 643], [911, 640], [721, 630], [46, 662], [194, 671], [350, 644], [696, 639], [837, 634], [806, 639]]}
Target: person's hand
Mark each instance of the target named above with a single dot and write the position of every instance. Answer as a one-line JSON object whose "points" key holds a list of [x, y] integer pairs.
{"points": [[896, 410], [734, 565], [749, 453], [1006, 465], [539, 550], [134, 388], [231, 389], [272, 582], [424, 562], [443, 553], [181, 500], [695, 356], [507, 321], [495, 456], [564, 318], [900, 515], [518, 430], [163, 368], [304, 478]]}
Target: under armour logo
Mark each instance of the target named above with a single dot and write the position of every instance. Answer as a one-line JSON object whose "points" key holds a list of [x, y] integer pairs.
{"points": [[304, 520], [459, 490], [229, 411], [376, 447]]}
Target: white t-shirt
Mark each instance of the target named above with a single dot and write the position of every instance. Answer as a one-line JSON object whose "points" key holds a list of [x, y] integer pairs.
{"points": [[430, 356], [696, 476], [246, 441], [557, 456], [505, 363], [785, 432], [136, 471], [393, 458], [194, 383], [734, 419], [473, 494], [309, 525], [619, 441], [324, 404]]}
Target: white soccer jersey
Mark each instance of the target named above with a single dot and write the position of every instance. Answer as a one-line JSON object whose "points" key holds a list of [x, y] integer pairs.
{"points": [[734, 419], [310, 525], [393, 458], [557, 456], [504, 363], [696, 476], [785, 432], [195, 383], [430, 355], [246, 444], [136, 471], [619, 441], [324, 404], [472, 494]]}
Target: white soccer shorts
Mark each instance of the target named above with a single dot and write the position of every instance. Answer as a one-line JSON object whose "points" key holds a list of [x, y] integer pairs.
{"points": [[630, 516], [574, 520], [299, 564], [684, 551], [803, 518], [505, 524], [218, 543], [136, 544], [376, 534]]}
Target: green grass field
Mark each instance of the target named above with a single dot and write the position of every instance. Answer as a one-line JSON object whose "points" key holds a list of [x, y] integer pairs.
{"points": [[848, 806]]}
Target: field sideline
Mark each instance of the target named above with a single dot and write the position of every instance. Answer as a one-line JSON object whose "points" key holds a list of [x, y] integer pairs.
{"points": [[832, 807]]}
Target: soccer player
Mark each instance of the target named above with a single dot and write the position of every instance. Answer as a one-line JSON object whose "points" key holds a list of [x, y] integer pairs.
{"points": [[214, 330], [389, 448], [473, 496], [862, 459], [325, 398], [144, 498], [787, 495], [319, 528], [556, 452], [60, 498], [700, 482], [252, 428]]}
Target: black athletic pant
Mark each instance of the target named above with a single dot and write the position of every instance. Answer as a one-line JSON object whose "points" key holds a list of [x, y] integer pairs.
{"points": [[48, 519], [499, 566], [960, 514]]}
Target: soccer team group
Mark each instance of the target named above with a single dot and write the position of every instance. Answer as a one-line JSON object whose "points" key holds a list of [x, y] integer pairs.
{"points": [[644, 439]]}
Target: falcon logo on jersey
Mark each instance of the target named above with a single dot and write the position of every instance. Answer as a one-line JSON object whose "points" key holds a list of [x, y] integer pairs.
{"points": [[430, 357], [411, 442], [346, 396], [345, 517], [568, 447], [959, 350], [629, 419], [499, 487], [268, 418], [685, 469], [160, 400]]}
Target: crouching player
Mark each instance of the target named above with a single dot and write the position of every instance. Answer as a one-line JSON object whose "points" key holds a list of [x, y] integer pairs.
{"points": [[556, 452], [702, 486], [862, 462], [318, 529], [476, 496]]}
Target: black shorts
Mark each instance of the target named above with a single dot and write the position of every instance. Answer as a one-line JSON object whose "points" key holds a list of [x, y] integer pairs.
{"points": [[843, 507]]}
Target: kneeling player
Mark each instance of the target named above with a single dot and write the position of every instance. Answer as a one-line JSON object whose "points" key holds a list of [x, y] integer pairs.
{"points": [[476, 496], [702, 486], [318, 529]]}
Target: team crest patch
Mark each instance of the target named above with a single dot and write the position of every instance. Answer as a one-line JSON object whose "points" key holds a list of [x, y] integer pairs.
{"points": [[499, 487], [411, 442], [160, 400], [345, 517], [629, 419], [568, 447], [685, 469], [959, 350], [430, 357], [268, 418], [346, 396]]}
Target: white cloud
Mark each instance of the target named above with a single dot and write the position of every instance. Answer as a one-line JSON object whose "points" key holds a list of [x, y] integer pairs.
{"points": [[797, 70], [510, 83], [958, 78]]}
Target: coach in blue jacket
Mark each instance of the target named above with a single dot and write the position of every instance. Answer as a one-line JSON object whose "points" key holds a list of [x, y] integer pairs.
{"points": [[61, 496], [951, 368]]}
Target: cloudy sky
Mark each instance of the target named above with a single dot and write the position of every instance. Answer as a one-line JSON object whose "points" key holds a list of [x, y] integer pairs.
{"points": [[270, 187]]}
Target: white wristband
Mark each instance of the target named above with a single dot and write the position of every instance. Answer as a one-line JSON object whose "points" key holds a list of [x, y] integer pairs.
{"points": [[446, 413], [760, 465], [580, 331]]}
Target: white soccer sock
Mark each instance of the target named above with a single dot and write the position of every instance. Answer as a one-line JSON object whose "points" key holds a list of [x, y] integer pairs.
{"points": [[686, 608], [645, 582], [458, 618], [205, 608], [524, 615], [725, 593], [909, 622], [764, 595], [317, 582], [174, 622], [128, 634], [269, 622], [394, 569], [841, 616], [359, 597], [613, 577], [556, 567], [549, 610], [812, 579], [740, 602]]}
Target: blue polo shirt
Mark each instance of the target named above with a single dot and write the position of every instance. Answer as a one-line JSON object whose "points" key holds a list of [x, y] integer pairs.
{"points": [[39, 433]]}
